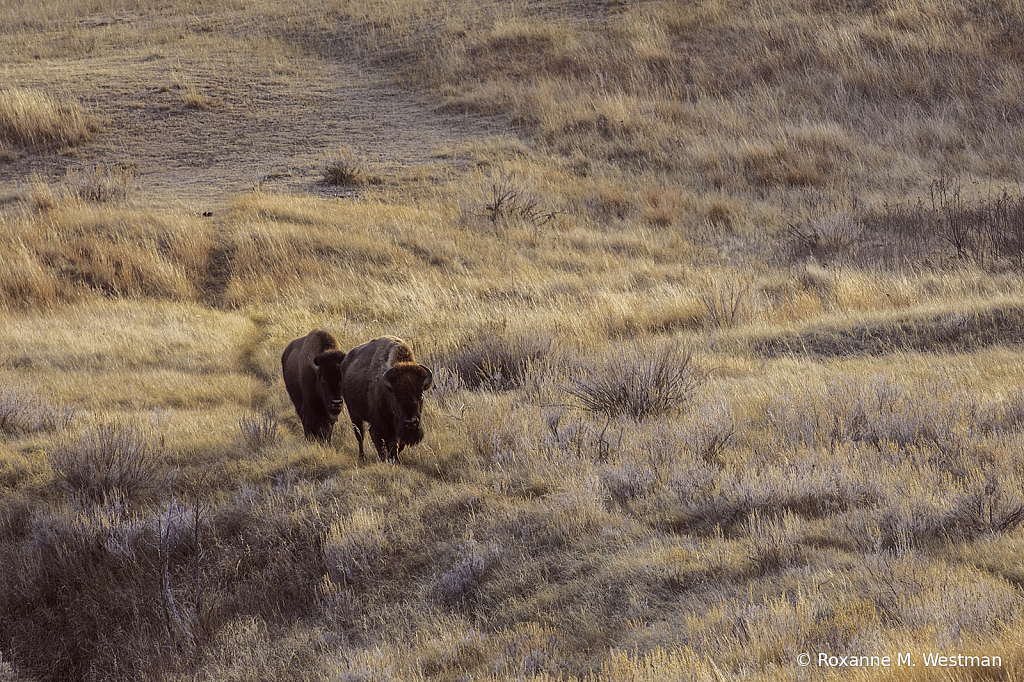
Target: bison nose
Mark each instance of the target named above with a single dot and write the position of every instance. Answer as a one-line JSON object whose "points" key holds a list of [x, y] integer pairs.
{"points": [[412, 421], [336, 404]]}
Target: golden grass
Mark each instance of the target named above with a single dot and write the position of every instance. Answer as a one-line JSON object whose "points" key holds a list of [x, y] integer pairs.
{"points": [[33, 119], [720, 177]]}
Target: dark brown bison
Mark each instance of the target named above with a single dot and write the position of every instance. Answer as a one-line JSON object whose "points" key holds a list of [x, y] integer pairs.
{"points": [[383, 386], [312, 375]]}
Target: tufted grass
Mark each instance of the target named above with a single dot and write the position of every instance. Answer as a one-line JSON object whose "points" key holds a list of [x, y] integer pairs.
{"points": [[33, 119]]}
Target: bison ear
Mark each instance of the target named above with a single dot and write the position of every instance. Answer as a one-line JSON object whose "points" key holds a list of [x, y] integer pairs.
{"points": [[387, 379], [428, 380]]}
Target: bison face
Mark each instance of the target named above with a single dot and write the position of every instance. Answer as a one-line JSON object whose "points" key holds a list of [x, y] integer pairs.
{"points": [[406, 384], [328, 381]]}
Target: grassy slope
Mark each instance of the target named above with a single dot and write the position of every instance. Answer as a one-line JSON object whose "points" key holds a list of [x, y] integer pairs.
{"points": [[727, 178]]}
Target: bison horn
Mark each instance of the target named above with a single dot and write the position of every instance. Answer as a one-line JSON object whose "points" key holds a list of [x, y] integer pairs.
{"points": [[312, 363], [384, 377], [427, 380]]}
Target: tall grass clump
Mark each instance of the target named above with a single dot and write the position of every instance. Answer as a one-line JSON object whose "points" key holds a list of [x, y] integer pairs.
{"points": [[355, 546], [33, 119], [638, 382], [115, 461], [81, 247], [345, 167]]}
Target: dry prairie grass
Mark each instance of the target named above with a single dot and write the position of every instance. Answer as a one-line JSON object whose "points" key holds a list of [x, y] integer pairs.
{"points": [[37, 120], [833, 464]]}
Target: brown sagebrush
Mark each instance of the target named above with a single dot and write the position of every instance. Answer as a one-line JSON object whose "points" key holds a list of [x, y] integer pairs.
{"points": [[22, 412], [116, 460], [257, 432], [345, 167]]}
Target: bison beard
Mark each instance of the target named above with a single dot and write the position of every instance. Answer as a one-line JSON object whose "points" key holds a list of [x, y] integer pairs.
{"points": [[383, 386], [312, 375]]}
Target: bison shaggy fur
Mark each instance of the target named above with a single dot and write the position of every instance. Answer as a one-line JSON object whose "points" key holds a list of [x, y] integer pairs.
{"points": [[312, 375], [383, 386]]}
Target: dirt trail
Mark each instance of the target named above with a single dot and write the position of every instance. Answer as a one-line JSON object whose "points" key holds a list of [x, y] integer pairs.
{"points": [[260, 128]]}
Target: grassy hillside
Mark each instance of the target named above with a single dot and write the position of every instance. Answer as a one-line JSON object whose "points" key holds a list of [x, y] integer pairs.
{"points": [[723, 304]]}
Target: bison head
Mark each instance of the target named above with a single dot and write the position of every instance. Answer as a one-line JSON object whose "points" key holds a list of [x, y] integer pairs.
{"points": [[327, 366], [406, 383]]}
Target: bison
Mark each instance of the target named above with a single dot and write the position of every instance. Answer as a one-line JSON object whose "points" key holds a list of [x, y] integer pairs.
{"points": [[312, 375], [383, 386]]}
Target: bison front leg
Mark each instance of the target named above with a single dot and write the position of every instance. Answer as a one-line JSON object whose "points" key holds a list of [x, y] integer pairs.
{"points": [[311, 429], [387, 451], [323, 433]]}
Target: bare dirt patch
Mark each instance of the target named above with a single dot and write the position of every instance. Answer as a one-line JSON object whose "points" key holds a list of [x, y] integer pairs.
{"points": [[195, 136]]}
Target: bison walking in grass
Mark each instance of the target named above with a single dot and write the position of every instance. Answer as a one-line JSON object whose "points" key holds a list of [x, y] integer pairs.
{"points": [[312, 369], [383, 386]]}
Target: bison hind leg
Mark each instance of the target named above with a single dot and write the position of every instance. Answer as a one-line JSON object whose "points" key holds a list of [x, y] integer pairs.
{"points": [[358, 430]]}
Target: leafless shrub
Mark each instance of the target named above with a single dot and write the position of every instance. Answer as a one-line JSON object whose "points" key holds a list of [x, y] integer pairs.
{"points": [[639, 382], [960, 224], [983, 230], [727, 303], [80, 595], [100, 183], [110, 462], [826, 236], [510, 201], [1005, 216], [990, 504]]}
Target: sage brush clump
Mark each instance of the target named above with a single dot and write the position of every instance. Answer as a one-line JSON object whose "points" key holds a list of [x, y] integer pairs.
{"points": [[639, 382], [257, 432], [24, 413], [112, 461]]}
